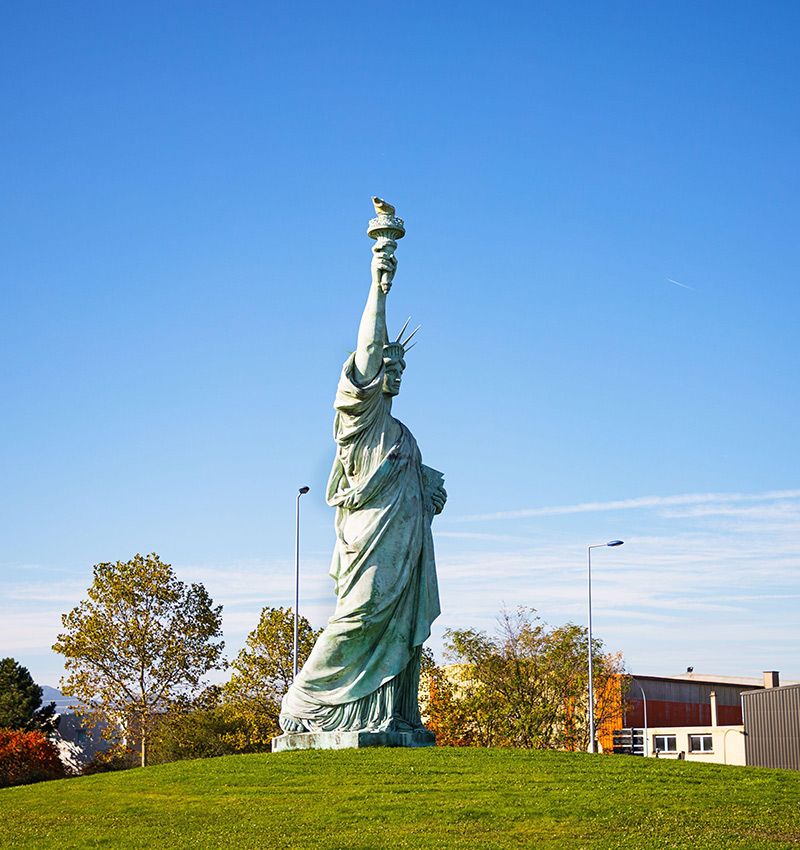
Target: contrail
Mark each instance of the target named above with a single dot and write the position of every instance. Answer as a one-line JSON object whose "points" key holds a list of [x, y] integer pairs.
{"points": [[678, 283]]}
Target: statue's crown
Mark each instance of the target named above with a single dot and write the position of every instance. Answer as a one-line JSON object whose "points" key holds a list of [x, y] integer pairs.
{"points": [[396, 350]]}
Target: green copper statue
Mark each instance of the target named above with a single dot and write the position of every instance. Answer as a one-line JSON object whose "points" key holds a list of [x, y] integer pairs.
{"points": [[363, 673]]}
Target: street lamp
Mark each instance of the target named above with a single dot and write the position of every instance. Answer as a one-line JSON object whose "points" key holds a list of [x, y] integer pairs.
{"points": [[644, 699], [591, 674], [301, 492]]}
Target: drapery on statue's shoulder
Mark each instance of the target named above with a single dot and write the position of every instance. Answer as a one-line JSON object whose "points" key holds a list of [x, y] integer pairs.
{"points": [[350, 387]]}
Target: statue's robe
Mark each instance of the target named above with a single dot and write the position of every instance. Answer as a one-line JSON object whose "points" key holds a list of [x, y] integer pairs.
{"points": [[363, 672]]}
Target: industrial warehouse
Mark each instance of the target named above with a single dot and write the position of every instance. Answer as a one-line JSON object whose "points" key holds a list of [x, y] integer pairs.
{"points": [[711, 718]]}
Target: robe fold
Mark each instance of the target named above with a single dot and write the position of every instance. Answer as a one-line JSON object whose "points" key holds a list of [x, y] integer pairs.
{"points": [[363, 671]]}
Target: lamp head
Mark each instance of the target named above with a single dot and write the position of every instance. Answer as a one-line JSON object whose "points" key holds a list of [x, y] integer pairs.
{"points": [[615, 543], [304, 490]]}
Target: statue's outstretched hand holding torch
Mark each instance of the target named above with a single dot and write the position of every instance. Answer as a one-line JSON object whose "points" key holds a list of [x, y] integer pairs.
{"points": [[384, 264]]}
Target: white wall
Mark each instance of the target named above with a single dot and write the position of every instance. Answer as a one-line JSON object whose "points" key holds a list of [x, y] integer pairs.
{"points": [[727, 743]]}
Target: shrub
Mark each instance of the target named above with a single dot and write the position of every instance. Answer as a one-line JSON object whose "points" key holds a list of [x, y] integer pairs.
{"points": [[196, 732], [116, 758], [27, 757]]}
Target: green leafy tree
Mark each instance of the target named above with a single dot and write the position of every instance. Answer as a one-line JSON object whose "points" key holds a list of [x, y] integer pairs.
{"points": [[21, 700], [262, 673], [141, 640], [525, 687]]}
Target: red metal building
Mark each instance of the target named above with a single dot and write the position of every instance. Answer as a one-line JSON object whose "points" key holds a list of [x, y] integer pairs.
{"points": [[689, 699]]}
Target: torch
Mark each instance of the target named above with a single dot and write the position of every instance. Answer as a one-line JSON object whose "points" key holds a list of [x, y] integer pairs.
{"points": [[385, 229]]}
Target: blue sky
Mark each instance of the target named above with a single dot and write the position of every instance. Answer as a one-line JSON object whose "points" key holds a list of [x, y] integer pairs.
{"points": [[601, 203]]}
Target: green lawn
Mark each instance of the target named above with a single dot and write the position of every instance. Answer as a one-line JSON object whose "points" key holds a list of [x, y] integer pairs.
{"points": [[430, 798]]}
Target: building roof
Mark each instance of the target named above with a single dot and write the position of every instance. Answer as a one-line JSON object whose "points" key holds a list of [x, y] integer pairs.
{"points": [[716, 678], [712, 679]]}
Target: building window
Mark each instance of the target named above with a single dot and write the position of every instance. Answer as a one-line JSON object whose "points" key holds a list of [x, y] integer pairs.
{"points": [[665, 743], [700, 744]]}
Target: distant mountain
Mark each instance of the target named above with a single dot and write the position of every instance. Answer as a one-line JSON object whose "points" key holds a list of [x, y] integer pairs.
{"points": [[76, 744], [54, 695]]}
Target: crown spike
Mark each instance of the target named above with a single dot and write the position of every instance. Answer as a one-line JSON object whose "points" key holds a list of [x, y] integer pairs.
{"points": [[410, 336], [403, 329], [406, 350]]}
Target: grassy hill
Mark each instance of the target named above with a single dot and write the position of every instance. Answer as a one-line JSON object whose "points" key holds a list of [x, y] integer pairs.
{"points": [[434, 798]]}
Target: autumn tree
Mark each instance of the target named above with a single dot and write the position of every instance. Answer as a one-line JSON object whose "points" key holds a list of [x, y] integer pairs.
{"points": [[21, 700], [262, 673], [525, 687], [141, 640], [444, 708]]}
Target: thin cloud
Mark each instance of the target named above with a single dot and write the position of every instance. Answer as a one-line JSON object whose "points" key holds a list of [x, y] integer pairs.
{"points": [[29, 632], [633, 504], [482, 536], [779, 510], [682, 285]]}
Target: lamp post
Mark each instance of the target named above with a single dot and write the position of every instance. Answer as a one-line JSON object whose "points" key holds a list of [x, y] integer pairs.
{"points": [[301, 492], [644, 699], [591, 672]]}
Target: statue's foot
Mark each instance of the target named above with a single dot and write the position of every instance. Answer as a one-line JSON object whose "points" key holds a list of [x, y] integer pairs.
{"points": [[291, 724]]}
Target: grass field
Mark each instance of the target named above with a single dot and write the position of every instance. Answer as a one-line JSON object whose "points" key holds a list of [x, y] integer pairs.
{"points": [[431, 798]]}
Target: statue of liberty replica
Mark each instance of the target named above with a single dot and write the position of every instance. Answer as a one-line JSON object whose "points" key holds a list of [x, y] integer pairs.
{"points": [[359, 685]]}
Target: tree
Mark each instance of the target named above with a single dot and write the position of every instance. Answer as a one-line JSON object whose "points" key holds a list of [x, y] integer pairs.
{"points": [[427, 662], [141, 640], [262, 673], [20, 700], [525, 687]]}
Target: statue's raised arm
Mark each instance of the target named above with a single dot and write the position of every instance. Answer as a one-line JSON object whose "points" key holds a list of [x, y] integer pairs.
{"points": [[372, 335], [386, 228]]}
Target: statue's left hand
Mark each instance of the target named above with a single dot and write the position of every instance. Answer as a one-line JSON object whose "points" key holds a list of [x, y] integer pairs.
{"points": [[439, 497]]}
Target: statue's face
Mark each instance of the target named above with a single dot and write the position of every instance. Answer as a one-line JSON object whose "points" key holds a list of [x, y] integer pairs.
{"points": [[392, 376]]}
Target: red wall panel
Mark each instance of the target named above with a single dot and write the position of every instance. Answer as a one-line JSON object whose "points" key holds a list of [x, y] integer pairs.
{"points": [[667, 713]]}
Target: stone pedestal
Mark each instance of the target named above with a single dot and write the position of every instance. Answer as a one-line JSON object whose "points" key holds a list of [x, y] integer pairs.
{"points": [[351, 740]]}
